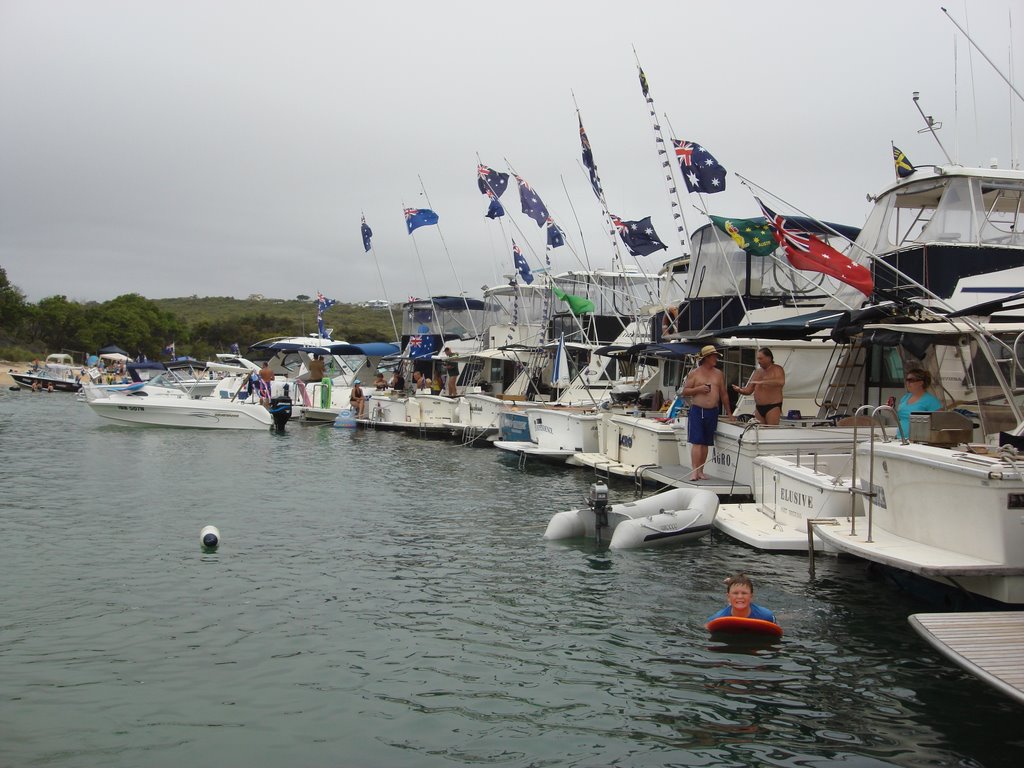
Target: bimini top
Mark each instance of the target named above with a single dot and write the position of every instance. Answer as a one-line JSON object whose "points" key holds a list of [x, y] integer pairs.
{"points": [[369, 349], [450, 302]]}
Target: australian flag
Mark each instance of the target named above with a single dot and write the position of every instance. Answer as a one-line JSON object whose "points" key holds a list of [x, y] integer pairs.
{"points": [[490, 182], [639, 236], [234, 349], [701, 172], [422, 344], [521, 264], [322, 303], [367, 234], [495, 209], [169, 350], [419, 217], [588, 160], [556, 237], [533, 206]]}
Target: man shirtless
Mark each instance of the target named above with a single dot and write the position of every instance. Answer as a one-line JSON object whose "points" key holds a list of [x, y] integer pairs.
{"points": [[706, 386], [766, 384]]}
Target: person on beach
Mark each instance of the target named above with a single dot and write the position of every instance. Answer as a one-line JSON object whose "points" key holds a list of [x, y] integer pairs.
{"points": [[917, 399], [765, 384], [739, 591], [706, 386]]}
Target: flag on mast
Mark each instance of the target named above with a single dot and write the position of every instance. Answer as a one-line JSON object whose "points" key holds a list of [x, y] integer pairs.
{"points": [[556, 237], [639, 236], [578, 305], [491, 182], [753, 236], [588, 160], [807, 252], [903, 165], [367, 233], [522, 266], [701, 172], [419, 217], [322, 303], [532, 205]]}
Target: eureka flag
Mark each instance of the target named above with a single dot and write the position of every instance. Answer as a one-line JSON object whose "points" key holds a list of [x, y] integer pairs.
{"points": [[701, 172], [805, 251], [419, 217]]}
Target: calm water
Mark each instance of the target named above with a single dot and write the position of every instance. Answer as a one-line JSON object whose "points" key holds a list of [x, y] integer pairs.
{"points": [[384, 601]]}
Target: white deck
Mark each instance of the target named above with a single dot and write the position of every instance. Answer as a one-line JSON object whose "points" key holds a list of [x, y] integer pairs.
{"points": [[988, 644], [907, 554], [747, 523]]}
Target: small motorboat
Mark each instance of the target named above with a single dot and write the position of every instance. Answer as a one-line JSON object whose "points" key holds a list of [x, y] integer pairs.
{"points": [[672, 517]]}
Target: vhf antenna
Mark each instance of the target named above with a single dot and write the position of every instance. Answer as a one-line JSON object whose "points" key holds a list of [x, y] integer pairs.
{"points": [[931, 126]]}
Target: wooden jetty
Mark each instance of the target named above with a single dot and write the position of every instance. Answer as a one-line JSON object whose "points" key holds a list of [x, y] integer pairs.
{"points": [[988, 644]]}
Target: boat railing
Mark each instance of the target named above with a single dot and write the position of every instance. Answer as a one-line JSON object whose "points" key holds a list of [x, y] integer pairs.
{"points": [[870, 492]]}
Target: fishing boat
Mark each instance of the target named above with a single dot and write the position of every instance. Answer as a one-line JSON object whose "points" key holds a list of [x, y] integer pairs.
{"points": [[944, 503], [676, 516]]}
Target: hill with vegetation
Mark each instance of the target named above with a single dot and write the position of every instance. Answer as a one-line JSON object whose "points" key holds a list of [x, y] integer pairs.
{"points": [[197, 326]]}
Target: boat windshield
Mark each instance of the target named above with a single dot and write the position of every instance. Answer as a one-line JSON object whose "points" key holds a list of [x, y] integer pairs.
{"points": [[957, 210]]}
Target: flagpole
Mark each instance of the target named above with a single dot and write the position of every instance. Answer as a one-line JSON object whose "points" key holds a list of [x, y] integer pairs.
{"points": [[978, 49], [380, 276], [458, 282], [671, 184]]}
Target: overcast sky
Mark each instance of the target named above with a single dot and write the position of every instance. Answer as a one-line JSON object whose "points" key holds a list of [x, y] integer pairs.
{"points": [[228, 147]]}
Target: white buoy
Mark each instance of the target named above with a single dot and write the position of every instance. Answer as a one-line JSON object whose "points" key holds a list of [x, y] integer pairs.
{"points": [[209, 537]]}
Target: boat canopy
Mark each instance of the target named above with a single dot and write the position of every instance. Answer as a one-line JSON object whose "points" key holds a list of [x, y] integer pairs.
{"points": [[676, 350], [786, 328], [369, 349]]}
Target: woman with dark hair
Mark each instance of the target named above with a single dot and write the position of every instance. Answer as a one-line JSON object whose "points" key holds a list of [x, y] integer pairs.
{"points": [[918, 399]]}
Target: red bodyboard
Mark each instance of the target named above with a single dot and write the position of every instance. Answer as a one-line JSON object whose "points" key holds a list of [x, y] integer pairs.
{"points": [[735, 625]]}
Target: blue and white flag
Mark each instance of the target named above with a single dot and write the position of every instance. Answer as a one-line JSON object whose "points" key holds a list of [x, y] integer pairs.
{"points": [[521, 264], [367, 233], [560, 365], [322, 303], [533, 206], [419, 217]]}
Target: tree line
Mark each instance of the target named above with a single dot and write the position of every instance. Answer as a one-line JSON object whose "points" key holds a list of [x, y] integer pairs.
{"points": [[199, 327]]}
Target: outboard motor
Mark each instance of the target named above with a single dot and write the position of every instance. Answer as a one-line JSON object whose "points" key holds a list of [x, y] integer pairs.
{"points": [[281, 410], [598, 501]]}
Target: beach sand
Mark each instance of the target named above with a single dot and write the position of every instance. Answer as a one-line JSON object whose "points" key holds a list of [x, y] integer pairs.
{"points": [[5, 367]]}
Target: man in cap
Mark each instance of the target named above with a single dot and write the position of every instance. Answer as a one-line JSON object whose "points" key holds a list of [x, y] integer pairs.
{"points": [[705, 385]]}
